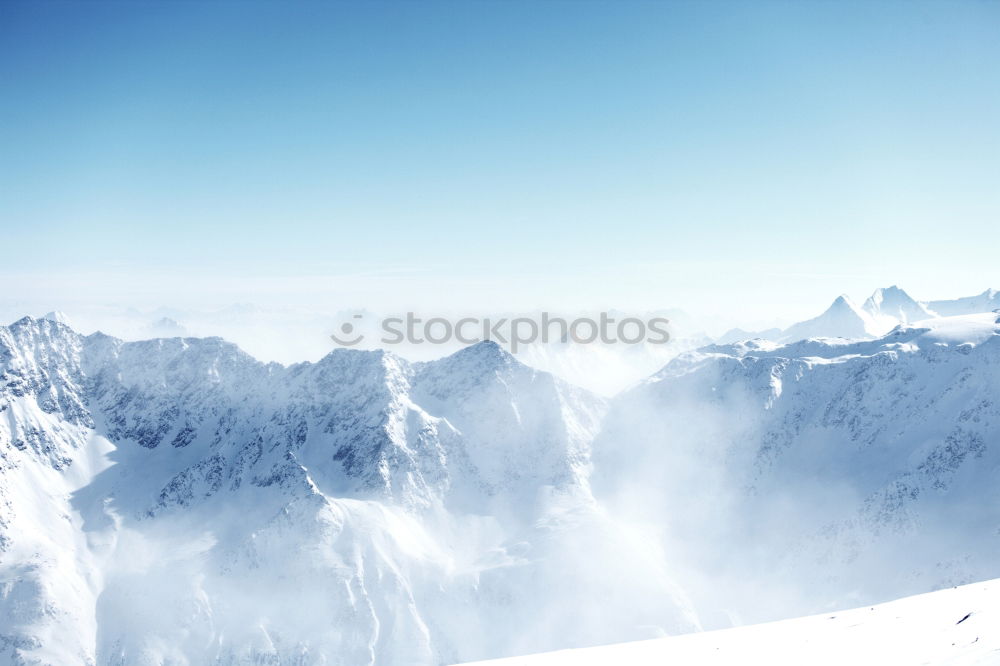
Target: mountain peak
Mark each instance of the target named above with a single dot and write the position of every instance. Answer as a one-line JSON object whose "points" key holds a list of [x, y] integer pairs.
{"points": [[843, 319], [896, 303], [485, 350], [23, 322], [841, 302], [44, 327], [57, 316], [472, 364]]}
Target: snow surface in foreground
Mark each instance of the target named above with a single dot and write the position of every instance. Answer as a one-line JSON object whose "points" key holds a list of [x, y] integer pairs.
{"points": [[956, 626]]}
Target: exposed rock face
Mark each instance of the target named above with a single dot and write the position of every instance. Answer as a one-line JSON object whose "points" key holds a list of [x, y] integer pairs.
{"points": [[177, 500], [837, 472]]}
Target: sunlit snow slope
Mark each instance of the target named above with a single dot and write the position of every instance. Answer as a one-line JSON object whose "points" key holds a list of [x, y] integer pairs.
{"points": [[953, 627]]}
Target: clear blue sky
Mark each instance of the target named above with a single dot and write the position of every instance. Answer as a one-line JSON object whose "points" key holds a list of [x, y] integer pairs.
{"points": [[634, 154]]}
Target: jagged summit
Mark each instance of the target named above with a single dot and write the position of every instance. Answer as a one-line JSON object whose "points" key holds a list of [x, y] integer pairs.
{"points": [[486, 350], [28, 321], [895, 303], [476, 362], [58, 316], [843, 319], [45, 332], [346, 355], [375, 493]]}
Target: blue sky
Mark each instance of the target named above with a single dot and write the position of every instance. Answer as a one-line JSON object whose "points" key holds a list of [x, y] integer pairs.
{"points": [[762, 157]]}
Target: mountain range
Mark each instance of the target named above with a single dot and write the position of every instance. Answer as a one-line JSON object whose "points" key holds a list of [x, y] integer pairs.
{"points": [[177, 501], [846, 471], [886, 308]]}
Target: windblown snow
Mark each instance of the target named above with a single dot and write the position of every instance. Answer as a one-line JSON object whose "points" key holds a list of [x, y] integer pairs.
{"points": [[176, 501], [846, 472]]}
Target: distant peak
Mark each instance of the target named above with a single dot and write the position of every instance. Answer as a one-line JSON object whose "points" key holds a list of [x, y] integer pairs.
{"points": [[32, 322], [343, 357], [167, 327], [894, 292], [473, 365], [895, 302], [841, 301], [58, 317], [45, 328], [484, 352], [485, 349], [844, 304]]}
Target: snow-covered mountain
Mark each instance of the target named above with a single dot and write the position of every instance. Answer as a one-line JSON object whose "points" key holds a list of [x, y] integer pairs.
{"points": [[846, 472], [177, 501], [987, 301], [896, 306], [886, 308], [843, 319], [58, 317], [952, 627]]}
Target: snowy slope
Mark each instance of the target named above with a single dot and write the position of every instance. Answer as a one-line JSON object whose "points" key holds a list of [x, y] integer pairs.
{"points": [[952, 627], [177, 501], [787, 479]]}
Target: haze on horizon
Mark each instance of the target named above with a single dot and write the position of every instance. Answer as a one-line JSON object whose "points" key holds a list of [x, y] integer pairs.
{"points": [[753, 160]]}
